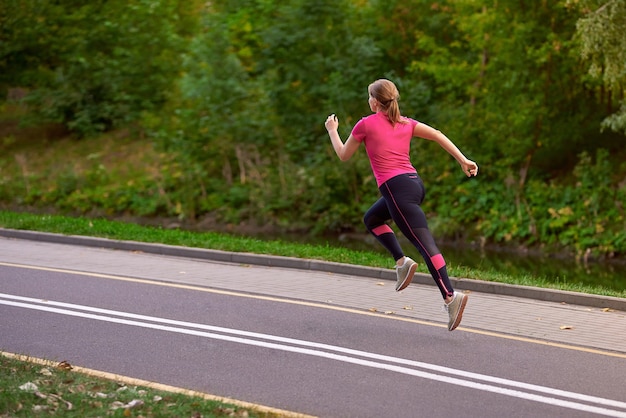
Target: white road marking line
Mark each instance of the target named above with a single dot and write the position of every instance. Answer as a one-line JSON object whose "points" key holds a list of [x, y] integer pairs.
{"points": [[313, 304], [47, 306]]}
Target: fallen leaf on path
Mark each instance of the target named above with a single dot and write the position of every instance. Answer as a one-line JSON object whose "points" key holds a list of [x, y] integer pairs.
{"points": [[68, 405], [608, 310], [380, 284], [64, 365], [408, 308], [566, 327], [117, 405], [389, 312], [373, 310], [77, 389], [134, 404], [29, 386], [40, 395], [45, 372]]}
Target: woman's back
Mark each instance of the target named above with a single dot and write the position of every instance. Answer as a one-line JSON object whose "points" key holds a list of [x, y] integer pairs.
{"points": [[387, 145]]}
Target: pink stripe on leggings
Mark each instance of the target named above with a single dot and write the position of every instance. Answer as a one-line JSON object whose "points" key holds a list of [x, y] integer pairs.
{"points": [[438, 261], [383, 229]]}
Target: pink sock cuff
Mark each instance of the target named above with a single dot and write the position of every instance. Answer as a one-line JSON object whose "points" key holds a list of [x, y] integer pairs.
{"points": [[438, 261], [383, 229]]}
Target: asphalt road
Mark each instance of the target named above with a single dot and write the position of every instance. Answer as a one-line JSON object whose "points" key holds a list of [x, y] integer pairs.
{"points": [[289, 353]]}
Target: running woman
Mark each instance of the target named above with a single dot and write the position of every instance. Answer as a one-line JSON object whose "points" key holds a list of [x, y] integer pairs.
{"points": [[387, 137]]}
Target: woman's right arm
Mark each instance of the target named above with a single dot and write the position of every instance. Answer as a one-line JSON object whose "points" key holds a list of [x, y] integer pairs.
{"points": [[343, 151]]}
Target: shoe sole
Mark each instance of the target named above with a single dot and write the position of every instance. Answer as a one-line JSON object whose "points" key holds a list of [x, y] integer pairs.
{"points": [[408, 278], [459, 316]]}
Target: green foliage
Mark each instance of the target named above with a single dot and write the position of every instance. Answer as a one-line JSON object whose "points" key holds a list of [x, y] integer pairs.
{"points": [[234, 94], [250, 110], [585, 215], [508, 69], [603, 47], [92, 66]]}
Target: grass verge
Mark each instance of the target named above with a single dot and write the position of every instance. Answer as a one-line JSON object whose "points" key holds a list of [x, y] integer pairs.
{"points": [[217, 241], [33, 387]]}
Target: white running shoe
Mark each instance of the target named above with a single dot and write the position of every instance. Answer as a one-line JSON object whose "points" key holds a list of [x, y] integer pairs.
{"points": [[405, 273], [455, 309]]}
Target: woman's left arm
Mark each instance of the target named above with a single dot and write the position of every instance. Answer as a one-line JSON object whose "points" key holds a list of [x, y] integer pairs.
{"points": [[470, 168]]}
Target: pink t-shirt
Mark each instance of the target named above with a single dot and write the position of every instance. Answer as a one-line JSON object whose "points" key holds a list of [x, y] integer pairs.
{"points": [[387, 146]]}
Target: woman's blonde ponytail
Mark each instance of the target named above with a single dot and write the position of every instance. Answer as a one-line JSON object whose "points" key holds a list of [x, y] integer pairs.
{"points": [[386, 93]]}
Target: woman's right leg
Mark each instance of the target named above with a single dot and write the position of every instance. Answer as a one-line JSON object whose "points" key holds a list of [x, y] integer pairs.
{"points": [[375, 221]]}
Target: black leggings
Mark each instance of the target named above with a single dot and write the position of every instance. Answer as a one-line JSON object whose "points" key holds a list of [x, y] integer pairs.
{"points": [[400, 202]]}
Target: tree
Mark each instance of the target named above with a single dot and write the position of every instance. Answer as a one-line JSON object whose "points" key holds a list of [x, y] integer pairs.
{"points": [[603, 46], [259, 79], [96, 65]]}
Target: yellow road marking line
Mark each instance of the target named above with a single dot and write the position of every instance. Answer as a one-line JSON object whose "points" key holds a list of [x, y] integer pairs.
{"points": [[324, 306]]}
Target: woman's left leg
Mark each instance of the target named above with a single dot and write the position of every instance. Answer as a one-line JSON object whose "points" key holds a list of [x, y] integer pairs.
{"points": [[404, 194]]}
